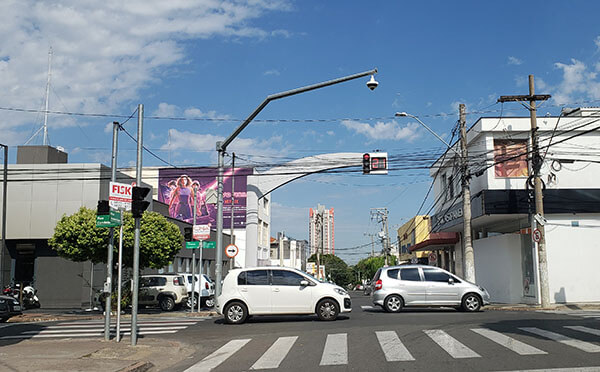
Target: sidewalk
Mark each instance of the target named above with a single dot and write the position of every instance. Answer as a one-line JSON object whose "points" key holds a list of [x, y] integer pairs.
{"points": [[150, 354], [69, 315], [559, 307]]}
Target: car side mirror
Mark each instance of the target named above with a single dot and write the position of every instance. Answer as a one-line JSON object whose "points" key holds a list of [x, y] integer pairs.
{"points": [[304, 283], [451, 281]]}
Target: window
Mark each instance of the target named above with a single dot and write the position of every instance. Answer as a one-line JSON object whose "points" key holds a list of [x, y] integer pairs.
{"points": [[410, 275], [432, 275], [242, 278], [450, 187], [393, 273], [284, 277], [257, 277]]}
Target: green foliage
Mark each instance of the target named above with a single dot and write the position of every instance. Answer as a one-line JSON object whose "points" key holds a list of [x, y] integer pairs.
{"points": [[367, 267], [77, 238], [335, 268]]}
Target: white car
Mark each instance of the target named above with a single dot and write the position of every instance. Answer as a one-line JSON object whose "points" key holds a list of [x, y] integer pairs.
{"points": [[206, 290], [278, 290]]}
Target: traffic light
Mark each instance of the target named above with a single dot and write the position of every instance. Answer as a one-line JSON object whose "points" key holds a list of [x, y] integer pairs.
{"points": [[138, 204], [103, 208], [187, 234], [366, 163]]}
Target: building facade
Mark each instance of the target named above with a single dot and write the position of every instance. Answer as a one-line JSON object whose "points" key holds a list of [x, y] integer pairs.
{"points": [[321, 230], [502, 205], [288, 252]]}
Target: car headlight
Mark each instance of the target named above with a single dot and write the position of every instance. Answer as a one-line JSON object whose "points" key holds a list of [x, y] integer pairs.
{"points": [[340, 291]]}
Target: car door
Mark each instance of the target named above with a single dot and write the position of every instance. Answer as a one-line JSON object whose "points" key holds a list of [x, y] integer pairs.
{"points": [[255, 288], [440, 289], [288, 296], [412, 287]]}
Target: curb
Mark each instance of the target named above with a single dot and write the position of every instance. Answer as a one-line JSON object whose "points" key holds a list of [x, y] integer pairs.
{"points": [[137, 367]]}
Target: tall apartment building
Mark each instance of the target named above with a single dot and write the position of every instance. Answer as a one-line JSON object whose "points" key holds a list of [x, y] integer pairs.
{"points": [[321, 231]]}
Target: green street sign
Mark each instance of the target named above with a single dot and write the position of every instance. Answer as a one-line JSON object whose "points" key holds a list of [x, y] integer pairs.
{"points": [[115, 217], [107, 221], [209, 245], [192, 245]]}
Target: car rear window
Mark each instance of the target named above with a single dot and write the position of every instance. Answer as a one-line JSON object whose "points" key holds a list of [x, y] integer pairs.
{"points": [[242, 278], [392, 273], [410, 275], [377, 274]]}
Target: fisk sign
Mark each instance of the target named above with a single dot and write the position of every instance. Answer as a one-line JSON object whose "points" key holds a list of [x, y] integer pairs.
{"points": [[120, 196]]}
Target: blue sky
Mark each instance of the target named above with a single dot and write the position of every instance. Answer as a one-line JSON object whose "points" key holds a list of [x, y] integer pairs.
{"points": [[219, 59]]}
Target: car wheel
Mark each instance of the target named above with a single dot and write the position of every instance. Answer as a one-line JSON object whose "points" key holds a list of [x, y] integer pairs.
{"points": [[471, 303], [393, 304], [327, 309], [166, 303], [235, 313], [208, 302], [192, 301]]}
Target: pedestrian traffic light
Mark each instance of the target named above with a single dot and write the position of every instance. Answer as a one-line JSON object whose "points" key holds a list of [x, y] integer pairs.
{"points": [[103, 208], [138, 204], [366, 163], [188, 234]]}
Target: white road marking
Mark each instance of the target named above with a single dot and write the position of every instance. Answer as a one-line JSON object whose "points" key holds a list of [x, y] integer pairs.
{"points": [[450, 344], [518, 347], [581, 345], [90, 334], [336, 350], [367, 307], [57, 331], [219, 356], [114, 325], [276, 353], [573, 369], [392, 347], [585, 329]]}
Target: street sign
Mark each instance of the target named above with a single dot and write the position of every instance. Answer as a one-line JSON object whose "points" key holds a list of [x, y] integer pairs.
{"points": [[120, 196], [209, 245], [231, 250], [536, 235], [432, 258], [201, 232], [192, 245], [112, 220]]}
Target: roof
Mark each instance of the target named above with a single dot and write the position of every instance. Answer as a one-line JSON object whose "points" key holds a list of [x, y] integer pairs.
{"points": [[435, 241]]}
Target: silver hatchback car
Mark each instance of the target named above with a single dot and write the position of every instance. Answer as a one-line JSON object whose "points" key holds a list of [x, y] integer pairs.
{"points": [[419, 285]]}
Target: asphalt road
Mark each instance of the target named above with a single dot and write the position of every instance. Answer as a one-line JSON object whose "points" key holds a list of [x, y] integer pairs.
{"points": [[413, 340]]}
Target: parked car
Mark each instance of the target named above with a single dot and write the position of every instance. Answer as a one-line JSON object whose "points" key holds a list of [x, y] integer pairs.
{"points": [[420, 285], [205, 289], [9, 307], [278, 290], [165, 290]]}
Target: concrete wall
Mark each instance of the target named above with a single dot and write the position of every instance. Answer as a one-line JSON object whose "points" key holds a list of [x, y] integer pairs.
{"points": [[498, 267], [573, 256], [55, 289]]}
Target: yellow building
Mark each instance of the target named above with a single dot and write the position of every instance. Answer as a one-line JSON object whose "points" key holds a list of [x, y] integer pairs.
{"points": [[413, 232]]}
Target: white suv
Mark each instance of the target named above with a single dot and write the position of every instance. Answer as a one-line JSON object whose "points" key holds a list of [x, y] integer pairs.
{"points": [[206, 290], [165, 290], [278, 290]]}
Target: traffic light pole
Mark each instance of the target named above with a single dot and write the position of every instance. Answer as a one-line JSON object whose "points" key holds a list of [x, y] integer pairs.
{"points": [[3, 249], [136, 243], [194, 258], [111, 239]]}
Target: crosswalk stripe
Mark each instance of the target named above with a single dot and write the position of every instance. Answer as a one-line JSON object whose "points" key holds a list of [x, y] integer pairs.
{"points": [[56, 331], [585, 329], [83, 335], [450, 344], [99, 326], [517, 346], [392, 347], [112, 324], [336, 350], [367, 307], [572, 369], [219, 356], [276, 353], [581, 345]]}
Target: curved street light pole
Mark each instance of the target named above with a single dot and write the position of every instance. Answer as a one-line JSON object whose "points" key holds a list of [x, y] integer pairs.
{"points": [[222, 147]]}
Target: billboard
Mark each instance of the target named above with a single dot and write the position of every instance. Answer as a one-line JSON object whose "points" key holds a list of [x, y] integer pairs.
{"points": [[510, 156], [177, 187]]}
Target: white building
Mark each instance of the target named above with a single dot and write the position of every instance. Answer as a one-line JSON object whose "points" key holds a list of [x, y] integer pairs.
{"points": [[322, 236], [288, 252], [505, 256]]}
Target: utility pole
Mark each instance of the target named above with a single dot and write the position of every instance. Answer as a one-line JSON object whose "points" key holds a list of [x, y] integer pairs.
{"points": [[467, 244], [382, 217], [536, 164], [3, 249], [372, 243], [231, 237], [111, 237], [194, 257]]}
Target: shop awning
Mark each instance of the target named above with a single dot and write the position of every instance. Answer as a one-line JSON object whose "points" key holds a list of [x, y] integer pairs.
{"points": [[438, 240]]}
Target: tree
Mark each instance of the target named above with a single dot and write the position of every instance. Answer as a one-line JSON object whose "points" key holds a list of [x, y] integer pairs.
{"points": [[77, 238], [369, 266], [335, 268]]}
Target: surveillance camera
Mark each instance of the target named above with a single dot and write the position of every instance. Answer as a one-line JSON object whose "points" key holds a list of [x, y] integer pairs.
{"points": [[372, 84]]}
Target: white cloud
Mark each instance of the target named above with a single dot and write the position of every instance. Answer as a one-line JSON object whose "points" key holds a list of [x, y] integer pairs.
{"points": [[514, 61], [105, 52], [577, 81], [330, 133], [166, 110], [384, 131], [194, 112], [272, 72]]}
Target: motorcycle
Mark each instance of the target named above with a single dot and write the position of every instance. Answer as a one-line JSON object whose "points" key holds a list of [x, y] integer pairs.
{"points": [[29, 297]]}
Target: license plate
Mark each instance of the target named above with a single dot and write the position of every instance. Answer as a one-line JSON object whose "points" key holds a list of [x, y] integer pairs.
{"points": [[17, 308]]}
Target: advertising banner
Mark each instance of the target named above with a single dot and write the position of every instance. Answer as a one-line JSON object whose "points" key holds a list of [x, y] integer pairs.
{"points": [[177, 188], [510, 156]]}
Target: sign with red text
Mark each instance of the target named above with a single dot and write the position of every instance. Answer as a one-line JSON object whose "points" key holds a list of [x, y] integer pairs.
{"points": [[201, 232], [119, 196]]}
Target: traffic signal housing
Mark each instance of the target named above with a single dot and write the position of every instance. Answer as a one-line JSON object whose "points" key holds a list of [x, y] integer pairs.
{"points": [[138, 204], [375, 163], [188, 234], [366, 163], [103, 208]]}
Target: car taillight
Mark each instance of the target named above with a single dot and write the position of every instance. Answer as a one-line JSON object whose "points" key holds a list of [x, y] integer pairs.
{"points": [[378, 284], [206, 285], [176, 281]]}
